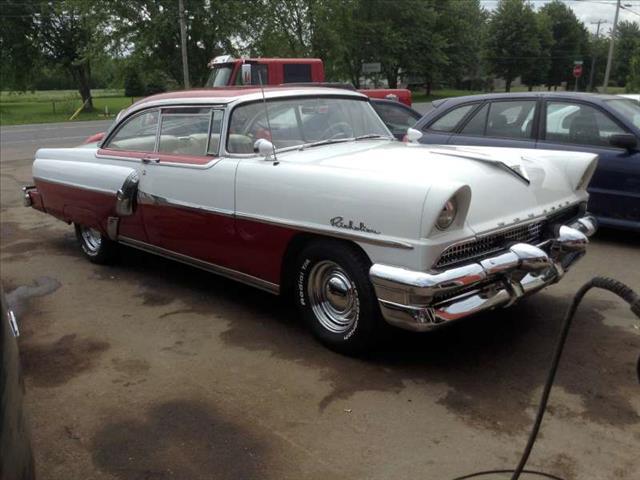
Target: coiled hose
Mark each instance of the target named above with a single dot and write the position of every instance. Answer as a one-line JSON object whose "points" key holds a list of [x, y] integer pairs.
{"points": [[604, 283]]}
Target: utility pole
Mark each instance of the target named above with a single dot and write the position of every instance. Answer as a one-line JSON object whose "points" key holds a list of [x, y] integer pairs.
{"points": [[611, 42], [593, 58], [183, 41]]}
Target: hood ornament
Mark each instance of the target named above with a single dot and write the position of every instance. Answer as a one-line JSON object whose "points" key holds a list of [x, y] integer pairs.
{"points": [[517, 170]]}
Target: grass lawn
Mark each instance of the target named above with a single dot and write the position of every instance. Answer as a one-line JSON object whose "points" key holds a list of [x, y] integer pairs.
{"points": [[57, 106]]}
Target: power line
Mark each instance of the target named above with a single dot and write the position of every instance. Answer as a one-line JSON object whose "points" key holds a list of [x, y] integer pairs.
{"points": [[629, 10]]}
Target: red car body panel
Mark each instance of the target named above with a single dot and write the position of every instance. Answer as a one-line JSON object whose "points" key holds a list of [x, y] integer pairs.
{"points": [[254, 248]]}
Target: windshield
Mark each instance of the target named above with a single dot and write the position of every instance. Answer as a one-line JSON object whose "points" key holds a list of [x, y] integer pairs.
{"points": [[628, 108], [219, 76], [302, 121]]}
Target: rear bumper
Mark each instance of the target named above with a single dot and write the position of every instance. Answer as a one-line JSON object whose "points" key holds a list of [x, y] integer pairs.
{"points": [[421, 301], [32, 198]]}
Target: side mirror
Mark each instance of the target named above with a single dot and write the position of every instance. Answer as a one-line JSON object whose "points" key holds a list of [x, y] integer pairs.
{"points": [[413, 135], [624, 140], [246, 73], [263, 147]]}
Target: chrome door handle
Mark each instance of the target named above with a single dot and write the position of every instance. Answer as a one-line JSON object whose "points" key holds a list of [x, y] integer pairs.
{"points": [[150, 159]]}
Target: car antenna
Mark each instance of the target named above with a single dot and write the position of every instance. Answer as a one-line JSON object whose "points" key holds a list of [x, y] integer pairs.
{"points": [[266, 111]]}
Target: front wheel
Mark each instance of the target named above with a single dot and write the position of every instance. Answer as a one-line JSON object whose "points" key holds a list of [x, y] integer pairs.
{"points": [[97, 247], [336, 298]]}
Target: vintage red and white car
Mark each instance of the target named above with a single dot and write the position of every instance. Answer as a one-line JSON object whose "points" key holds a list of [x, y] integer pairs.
{"points": [[304, 191]]}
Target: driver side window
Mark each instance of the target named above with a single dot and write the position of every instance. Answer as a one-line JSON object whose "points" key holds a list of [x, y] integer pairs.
{"points": [[579, 124]]}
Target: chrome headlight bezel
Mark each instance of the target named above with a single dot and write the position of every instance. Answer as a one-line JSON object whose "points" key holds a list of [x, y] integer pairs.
{"points": [[447, 215]]}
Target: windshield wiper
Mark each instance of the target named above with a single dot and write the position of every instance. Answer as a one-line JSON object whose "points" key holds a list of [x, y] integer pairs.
{"points": [[329, 141], [324, 142], [372, 135]]}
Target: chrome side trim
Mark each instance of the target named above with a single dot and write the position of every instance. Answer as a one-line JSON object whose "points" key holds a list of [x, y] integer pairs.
{"points": [[332, 232], [162, 163], [75, 185], [145, 198], [209, 267]]}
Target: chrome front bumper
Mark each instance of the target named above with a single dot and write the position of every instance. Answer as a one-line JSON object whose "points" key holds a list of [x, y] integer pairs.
{"points": [[424, 300]]}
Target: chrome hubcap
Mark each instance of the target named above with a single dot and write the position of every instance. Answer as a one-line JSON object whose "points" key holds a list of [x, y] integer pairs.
{"points": [[333, 297], [91, 239]]}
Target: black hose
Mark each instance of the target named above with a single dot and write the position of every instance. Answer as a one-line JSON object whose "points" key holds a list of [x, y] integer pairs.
{"points": [[605, 283]]}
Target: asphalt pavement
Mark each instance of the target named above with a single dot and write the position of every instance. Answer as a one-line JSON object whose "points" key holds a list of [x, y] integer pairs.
{"points": [[22, 141], [150, 369]]}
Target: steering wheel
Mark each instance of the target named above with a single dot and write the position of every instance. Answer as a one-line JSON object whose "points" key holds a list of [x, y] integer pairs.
{"points": [[342, 130]]}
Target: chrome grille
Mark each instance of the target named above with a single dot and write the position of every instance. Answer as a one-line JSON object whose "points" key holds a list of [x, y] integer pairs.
{"points": [[534, 232]]}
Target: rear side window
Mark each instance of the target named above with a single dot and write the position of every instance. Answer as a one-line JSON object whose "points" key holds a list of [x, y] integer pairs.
{"points": [[185, 131], [137, 134], [297, 72], [450, 120], [511, 119], [476, 125]]}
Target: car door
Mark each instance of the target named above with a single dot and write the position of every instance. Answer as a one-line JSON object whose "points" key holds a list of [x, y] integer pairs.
{"points": [[132, 142], [187, 190], [581, 126], [500, 123], [396, 116]]}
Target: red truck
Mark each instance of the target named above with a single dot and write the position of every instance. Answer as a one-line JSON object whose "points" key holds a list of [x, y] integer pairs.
{"points": [[227, 71]]}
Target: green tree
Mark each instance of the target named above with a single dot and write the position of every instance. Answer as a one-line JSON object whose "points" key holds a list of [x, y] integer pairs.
{"points": [[570, 41], [627, 39], [18, 51], [133, 86], [537, 70], [512, 45], [598, 50], [66, 36], [633, 78], [148, 32], [460, 24]]}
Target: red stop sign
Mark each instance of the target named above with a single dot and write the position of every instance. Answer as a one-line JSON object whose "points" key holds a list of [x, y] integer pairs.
{"points": [[577, 71]]}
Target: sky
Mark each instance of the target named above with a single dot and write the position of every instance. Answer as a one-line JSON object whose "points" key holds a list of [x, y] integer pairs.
{"points": [[590, 11]]}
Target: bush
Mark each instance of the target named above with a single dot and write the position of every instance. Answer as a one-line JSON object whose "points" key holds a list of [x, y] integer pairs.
{"points": [[133, 86], [154, 87]]}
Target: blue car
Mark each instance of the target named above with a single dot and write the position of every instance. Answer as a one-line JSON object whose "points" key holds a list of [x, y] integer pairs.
{"points": [[604, 124]]}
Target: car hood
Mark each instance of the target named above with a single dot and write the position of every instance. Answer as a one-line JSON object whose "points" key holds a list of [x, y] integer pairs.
{"points": [[507, 185]]}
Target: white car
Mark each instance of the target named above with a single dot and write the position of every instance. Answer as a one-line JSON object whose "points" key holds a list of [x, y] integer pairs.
{"points": [[304, 191]]}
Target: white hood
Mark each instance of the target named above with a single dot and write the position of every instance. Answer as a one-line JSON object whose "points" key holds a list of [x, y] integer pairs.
{"points": [[507, 185]]}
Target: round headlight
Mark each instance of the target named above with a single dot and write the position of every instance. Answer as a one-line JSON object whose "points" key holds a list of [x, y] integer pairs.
{"points": [[447, 215]]}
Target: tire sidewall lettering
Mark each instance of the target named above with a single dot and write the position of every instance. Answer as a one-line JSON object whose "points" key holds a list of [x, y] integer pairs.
{"points": [[300, 283], [353, 330]]}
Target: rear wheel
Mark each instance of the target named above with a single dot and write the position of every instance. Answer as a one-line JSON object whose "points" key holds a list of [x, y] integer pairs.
{"points": [[336, 298], [97, 247]]}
